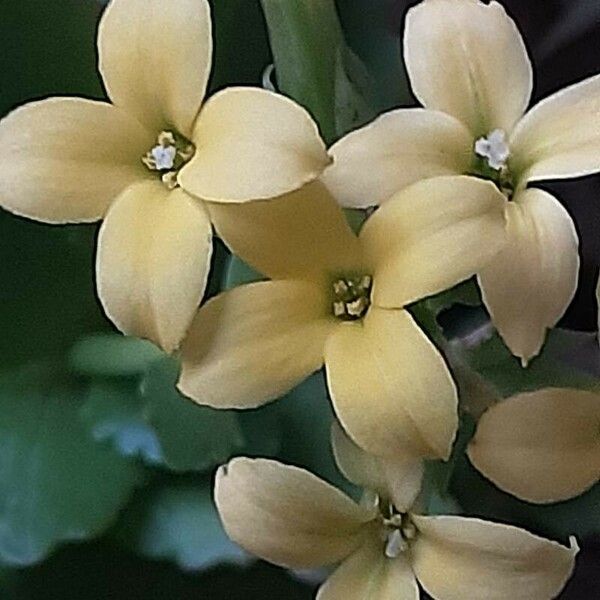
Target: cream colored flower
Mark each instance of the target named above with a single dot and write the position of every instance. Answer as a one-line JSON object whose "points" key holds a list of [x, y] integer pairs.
{"points": [[138, 162], [289, 517], [542, 446], [469, 67], [337, 299]]}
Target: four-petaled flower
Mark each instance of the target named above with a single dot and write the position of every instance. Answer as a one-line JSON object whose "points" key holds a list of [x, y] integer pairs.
{"points": [[469, 68], [289, 517], [338, 299], [142, 162]]}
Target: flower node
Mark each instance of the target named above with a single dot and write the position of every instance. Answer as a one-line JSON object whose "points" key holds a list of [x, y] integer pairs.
{"points": [[491, 161], [351, 297], [398, 533], [171, 152]]}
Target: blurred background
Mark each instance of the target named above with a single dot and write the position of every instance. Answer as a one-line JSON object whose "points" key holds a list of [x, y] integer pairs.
{"points": [[105, 471]]}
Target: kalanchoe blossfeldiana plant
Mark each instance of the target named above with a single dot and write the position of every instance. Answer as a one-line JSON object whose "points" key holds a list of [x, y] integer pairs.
{"points": [[541, 446], [338, 299], [143, 162], [469, 67], [385, 545]]}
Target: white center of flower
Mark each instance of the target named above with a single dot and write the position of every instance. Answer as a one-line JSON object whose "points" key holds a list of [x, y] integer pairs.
{"points": [[494, 149], [164, 157], [171, 152]]}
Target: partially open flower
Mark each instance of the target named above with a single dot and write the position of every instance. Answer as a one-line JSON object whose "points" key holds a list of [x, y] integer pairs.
{"points": [[142, 162], [541, 446], [469, 68], [289, 517], [338, 299]]}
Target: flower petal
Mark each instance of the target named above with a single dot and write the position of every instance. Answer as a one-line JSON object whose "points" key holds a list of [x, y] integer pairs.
{"points": [[155, 59], [252, 144], [303, 232], [431, 236], [154, 251], [254, 343], [66, 159], [397, 149], [528, 285], [390, 387], [560, 136], [397, 478], [287, 515], [542, 446], [369, 575], [456, 558], [468, 59]]}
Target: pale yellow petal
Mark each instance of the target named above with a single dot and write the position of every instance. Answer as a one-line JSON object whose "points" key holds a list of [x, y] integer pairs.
{"points": [[254, 343], [390, 387], [399, 148], [154, 251], [287, 515], [455, 558], [155, 59], [468, 59], [542, 446], [529, 284], [66, 159], [252, 144], [431, 236], [303, 232], [369, 575], [396, 478], [560, 137]]}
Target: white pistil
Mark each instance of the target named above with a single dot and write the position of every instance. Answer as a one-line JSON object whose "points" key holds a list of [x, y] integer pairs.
{"points": [[164, 157], [493, 148], [395, 544]]}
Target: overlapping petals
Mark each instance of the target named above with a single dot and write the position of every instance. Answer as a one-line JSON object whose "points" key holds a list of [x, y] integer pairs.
{"points": [[389, 384], [542, 446], [289, 517]]}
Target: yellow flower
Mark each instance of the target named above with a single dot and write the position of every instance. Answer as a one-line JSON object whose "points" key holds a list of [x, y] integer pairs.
{"points": [[542, 446], [289, 517], [337, 298], [469, 67], [138, 162]]}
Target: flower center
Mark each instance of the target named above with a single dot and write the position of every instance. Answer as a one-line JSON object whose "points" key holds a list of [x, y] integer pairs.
{"points": [[351, 297], [171, 152], [399, 531], [491, 161]]}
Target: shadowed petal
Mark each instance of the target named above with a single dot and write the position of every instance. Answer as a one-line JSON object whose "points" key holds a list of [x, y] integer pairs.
{"points": [[154, 251], [254, 343], [468, 59], [66, 159], [456, 558], [287, 515], [542, 446]]}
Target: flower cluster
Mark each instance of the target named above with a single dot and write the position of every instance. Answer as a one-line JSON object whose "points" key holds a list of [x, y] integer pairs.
{"points": [[450, 197]]}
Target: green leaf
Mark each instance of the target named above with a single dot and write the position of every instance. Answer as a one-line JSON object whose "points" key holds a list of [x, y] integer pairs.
{"points": [[179, 524], [56, 483], [237, 272], [192, 437], [110, 355], [114, 412], [556, 366], [314, 65]]}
